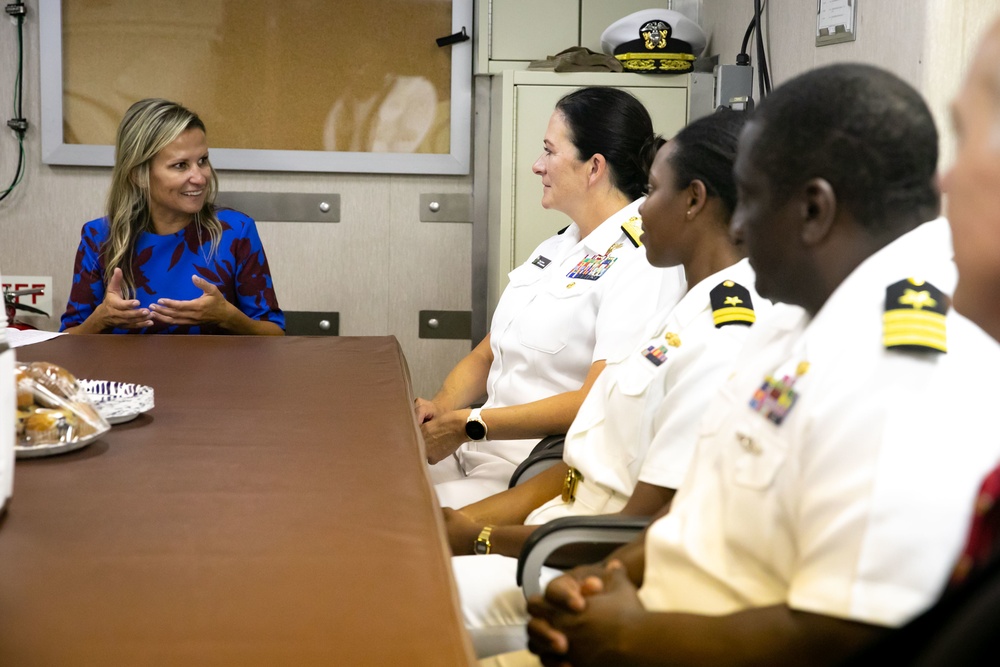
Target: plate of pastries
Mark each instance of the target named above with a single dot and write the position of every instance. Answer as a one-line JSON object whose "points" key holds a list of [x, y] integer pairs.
{"points": [[54, 412]]}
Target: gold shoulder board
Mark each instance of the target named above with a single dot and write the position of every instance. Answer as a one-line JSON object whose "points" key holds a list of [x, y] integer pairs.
{"points": [[731, 304], [914, 317]]}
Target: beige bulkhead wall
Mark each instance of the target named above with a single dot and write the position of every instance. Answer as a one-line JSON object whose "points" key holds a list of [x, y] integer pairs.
{"points": [[379, 266], [926, 42]]}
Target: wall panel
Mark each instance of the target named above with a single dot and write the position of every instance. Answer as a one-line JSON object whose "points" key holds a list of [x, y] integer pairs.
{"points": [[346, 266]]}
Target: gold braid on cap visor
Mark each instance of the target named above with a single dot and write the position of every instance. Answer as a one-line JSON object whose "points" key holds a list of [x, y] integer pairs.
{"points": [[657, 62]]}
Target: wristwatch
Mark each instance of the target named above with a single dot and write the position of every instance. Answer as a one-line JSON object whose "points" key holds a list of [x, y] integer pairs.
{"points": [[475, 427], [483, 545]]}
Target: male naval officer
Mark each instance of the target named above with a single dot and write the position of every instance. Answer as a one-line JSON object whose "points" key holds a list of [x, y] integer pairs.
{"points": [[961, 629]]}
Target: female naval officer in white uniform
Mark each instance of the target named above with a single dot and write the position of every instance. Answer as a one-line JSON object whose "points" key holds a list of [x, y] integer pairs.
{"points": [[632, 441], [582, 295]]}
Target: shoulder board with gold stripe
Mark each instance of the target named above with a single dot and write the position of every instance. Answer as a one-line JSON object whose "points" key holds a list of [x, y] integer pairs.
{"points": [[633, 229], [914, 317], [731, 304]]}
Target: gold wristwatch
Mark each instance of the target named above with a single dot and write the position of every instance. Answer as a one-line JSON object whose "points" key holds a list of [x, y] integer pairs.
{"points": [[483, 545]]}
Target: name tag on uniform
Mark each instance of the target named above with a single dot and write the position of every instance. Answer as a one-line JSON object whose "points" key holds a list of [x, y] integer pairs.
{"points": [[592, 267], [541, 262]]}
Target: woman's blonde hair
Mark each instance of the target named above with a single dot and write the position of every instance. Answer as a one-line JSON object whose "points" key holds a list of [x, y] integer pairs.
{"points": [[147, 127]]}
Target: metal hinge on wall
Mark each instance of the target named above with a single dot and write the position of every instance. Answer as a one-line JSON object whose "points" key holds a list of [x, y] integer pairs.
{"points": [[446, 324]]}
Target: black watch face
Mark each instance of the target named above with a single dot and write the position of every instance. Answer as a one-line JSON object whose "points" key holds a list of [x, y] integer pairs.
{"points": [[475, 430]]}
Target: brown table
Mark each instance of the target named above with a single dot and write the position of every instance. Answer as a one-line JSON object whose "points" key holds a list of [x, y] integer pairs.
{"points": [[272, 509]]}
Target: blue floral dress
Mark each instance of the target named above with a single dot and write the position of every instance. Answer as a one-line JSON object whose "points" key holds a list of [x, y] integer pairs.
{"points": [[163, 266]]}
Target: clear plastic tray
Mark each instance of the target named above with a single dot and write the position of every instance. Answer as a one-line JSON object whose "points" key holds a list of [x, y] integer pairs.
{"points": [[54, 413]]}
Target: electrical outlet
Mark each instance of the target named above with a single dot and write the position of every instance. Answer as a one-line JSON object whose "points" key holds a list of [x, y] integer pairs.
{"points": [[41, 301]]}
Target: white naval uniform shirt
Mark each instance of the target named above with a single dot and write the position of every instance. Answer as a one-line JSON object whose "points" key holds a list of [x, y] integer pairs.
{"points": [[639, 421], [549, 328], [855, 503]]}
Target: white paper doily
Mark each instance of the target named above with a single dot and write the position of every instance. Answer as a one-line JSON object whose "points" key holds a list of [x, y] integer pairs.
{"points": [[118, 402]]}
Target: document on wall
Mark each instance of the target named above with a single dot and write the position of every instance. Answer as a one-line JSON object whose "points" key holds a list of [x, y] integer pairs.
{"points": [[835, 21]]}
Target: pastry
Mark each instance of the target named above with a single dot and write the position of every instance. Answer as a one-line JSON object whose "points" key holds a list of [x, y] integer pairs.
{"points": [[25, 393], [48, 427], [55, 379], [52, 407]]}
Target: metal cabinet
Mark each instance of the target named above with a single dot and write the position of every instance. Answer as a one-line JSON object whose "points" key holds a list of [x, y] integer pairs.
{"points": [[512, 33]]}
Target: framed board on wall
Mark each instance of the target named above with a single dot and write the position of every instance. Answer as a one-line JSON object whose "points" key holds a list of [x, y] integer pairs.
{"points": [[298, 85]]}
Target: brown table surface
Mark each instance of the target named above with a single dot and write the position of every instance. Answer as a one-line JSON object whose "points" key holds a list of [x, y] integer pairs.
{"points": [[272, 509]]}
